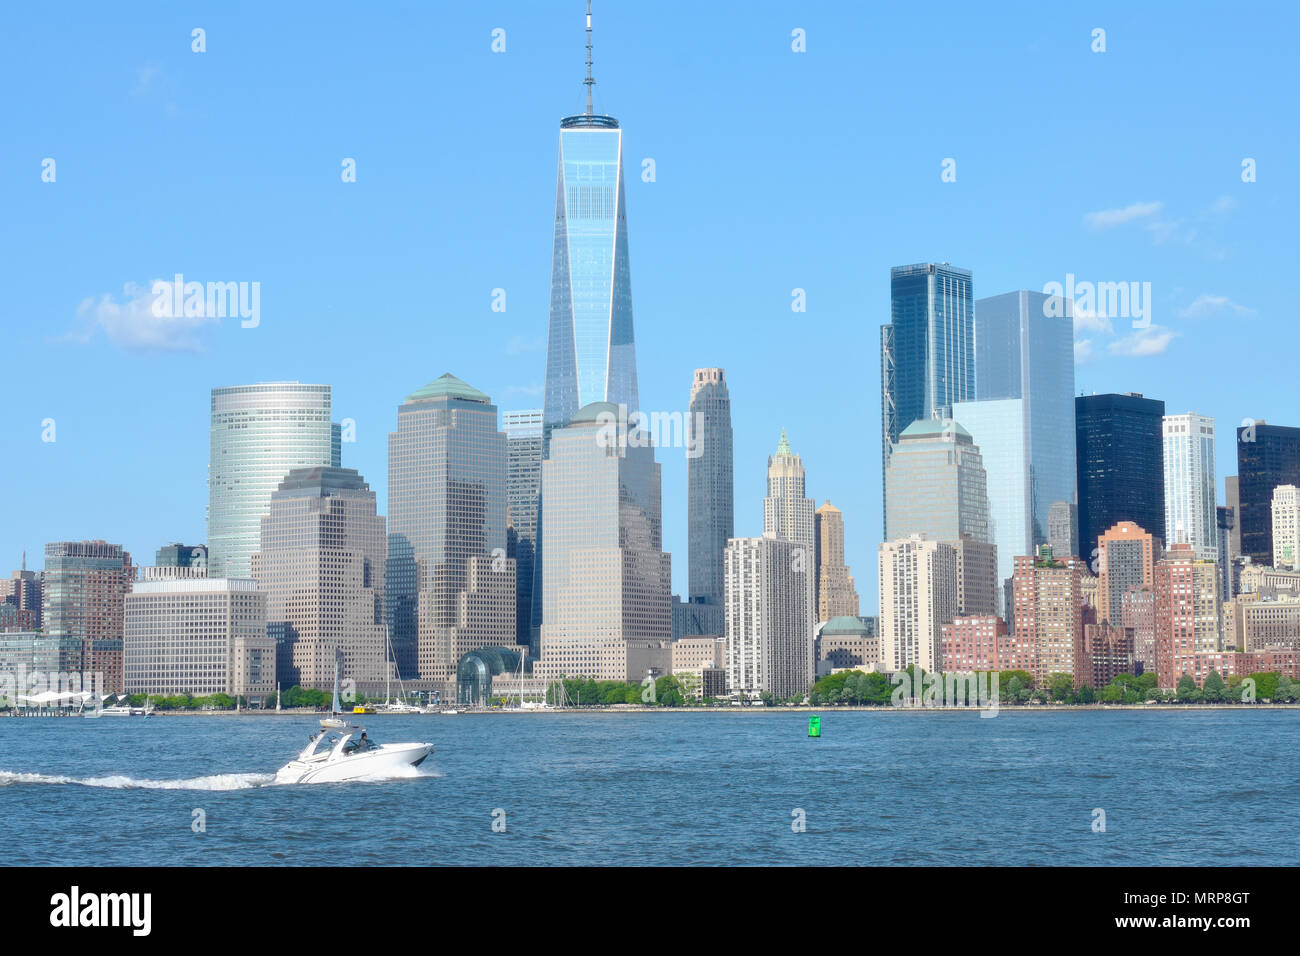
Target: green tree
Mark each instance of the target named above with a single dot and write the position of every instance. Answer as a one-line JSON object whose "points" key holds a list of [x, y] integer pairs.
{"points": [[1285, 690], [1214, 689], [1187, 690], [1061, 687]]}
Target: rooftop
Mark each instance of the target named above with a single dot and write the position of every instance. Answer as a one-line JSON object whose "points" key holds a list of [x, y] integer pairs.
{"points": [[448, 386]]}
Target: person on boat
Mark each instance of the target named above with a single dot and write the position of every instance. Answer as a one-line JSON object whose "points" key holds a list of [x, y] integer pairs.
{"points": [[365, 743]]}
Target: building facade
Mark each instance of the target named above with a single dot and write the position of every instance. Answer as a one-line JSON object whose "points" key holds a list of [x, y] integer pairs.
{"points": [[1286, 527], [1126, 557], [1187, 610], [523, 431], [918, 595], [1120, 451], [259, 433], [1267, 456], [710, 504], [1049, 614], [769, 637], [85, 583], [1190, 483], [450, 587], [836, 595], [198, 636]]}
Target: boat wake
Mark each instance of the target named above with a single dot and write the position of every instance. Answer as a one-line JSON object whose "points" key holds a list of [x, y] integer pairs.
{"points": [[220, 781], [216, 782]]}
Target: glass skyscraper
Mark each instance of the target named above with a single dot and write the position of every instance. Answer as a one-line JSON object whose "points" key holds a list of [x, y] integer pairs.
{"points": [[1024, 348], [1267, 456], [1121, 472], [259, 434], [590, 353], [927, 351], [523, 496]]}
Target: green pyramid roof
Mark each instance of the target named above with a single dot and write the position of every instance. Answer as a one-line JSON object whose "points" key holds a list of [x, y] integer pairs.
{"points": [[784, 447], [928, 427], [448, 386]]}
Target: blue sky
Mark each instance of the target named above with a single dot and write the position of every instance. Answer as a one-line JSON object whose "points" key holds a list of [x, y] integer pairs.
{"points": [[775, 170]]}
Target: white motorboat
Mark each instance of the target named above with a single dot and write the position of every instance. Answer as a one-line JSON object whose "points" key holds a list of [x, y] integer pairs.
{"points": [[342, 751], [349, 754]]}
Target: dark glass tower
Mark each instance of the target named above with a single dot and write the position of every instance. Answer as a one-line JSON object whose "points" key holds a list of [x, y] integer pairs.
{"points": [[710, 506], [927, 350], [1120, 450], [1267, 456], [523, 497]]}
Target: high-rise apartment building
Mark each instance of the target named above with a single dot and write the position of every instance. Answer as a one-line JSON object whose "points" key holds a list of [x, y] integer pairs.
{"points": [[523, 432], [1267, 456], [789, 514], [918, 596], [1126, 557], [769, 646], [321, 566], [1138, 614], [1187, 610], [606, 611], [1049, 615], [200, 636], [927, 350], [1190, 483], [1286, 527], [23, 591], [710, 502], [836, 595], [85, 584], [450, 587], [259, 433], [1120, 450]]}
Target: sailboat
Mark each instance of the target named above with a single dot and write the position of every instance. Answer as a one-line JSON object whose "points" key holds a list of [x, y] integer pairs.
{"points": [[390, 706]]}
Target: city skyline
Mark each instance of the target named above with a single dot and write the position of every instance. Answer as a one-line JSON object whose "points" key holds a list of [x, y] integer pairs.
{"points": [[1199, 246]]}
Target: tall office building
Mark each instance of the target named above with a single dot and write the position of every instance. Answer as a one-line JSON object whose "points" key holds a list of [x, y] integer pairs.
{"points": [[200, 636], [1062, 526], [591, 350], [1226, 519], [1190, 483], [709, 485], [935, 486], [1024, 349], [927, 351], [1286, 527], [1267, 456], [1048, 614], [606, 610], [836, 595], [1126, 557], [788, 514], [450, 587], [1187, 611], [85, 583], [523, 498], [321, 565], [1232, 498], [918, 596], [1120, 449], [769, 648], [259, 433]]}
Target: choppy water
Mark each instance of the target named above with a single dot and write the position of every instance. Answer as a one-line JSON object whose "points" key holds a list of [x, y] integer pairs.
{"points": [[877, 788]]}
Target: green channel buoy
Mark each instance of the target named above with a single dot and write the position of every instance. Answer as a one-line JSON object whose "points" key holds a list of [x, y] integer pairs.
{"points": [[814, 726]]}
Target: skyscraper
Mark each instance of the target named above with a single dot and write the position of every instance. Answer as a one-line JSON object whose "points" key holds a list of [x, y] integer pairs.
{"points": [[836, 595], [85, 584], [1024, 348], [259, 433], [710, 506], [935, 486], [1187, 612], [22, 591], [523, 498], [1286, 527], [450, 587], [769, 648], [788, 514], [928, 348], [1190, 483], [1120, 451], [1126, 557], [591, 350], [606, 603], [321, 565], [1267, 456], [918, 596], [1048, 614]]}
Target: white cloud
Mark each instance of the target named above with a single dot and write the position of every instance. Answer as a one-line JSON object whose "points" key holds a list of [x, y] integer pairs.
{"points": [[1109, 218], [1090, 321], [1223, 204], [1206, 306], [518, 345], [132, 325], [1153, 340], [1084, 352]]}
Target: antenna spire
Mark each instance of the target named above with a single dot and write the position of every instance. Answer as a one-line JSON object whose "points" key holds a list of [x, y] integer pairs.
{"points": [[589, 82]]}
